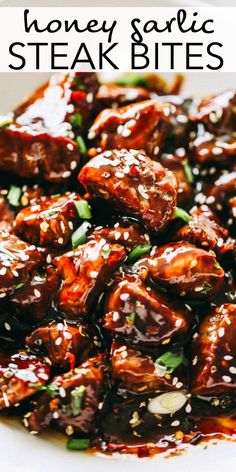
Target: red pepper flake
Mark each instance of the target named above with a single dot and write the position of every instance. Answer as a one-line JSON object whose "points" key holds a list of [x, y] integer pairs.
{"points": [[133, 171], [78, 96]]}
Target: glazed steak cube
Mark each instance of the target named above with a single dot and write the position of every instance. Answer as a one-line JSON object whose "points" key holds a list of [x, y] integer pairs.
{"points": [[142, 315], [49, 221], [124, 232], [6, 215], [134, 184], [17, 260], [214, 353], [71, 400], [217, 112], [139, 373], [32, 301], [203, 230], [40, 142], [112, 96], [142, 125], [213, 150], [84, 273], [18, 374], [184, 270], [64, 344]]}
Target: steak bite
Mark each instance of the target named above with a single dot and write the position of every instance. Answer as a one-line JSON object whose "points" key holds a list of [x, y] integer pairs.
{"points": [[66, 345], [49, 221], [135, 372], [40, 142], [17, 261], [208, 149], [32, 301], [178, 163], [203, 230], [142, 125], [142, 315], [18, 374], [184, 270], [6, 215], [134, 184], [216, 112], [71, 400], [113, 96], [214, 353], [125, 232], [84, 273]]}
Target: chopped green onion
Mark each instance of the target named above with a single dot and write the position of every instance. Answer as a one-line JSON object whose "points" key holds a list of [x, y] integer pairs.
{"points": [[50, 212], [130, 318], [138, 252], [76, 399], [14, 195], [78, 82], [5, 121], [188, 171], [170, 360], [79, 236], [81, 144], [182, 214], [76, 120], [133, 80], [83, 209], [78, 444], [217, 265], [52, 389]]}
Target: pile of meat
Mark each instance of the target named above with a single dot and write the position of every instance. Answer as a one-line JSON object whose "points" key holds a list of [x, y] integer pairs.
{"points": [[118, 261]]}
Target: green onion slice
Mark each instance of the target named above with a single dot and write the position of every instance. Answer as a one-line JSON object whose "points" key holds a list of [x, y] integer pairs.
{"points": [[188, 171], [138, 252], [79, 236], [77, 396], [182, 214], [133, 80], [170, 360], [5, 121], [130, 318], [81, 144], [78, 444], [76, 120], [83, 209], [14, 195]]}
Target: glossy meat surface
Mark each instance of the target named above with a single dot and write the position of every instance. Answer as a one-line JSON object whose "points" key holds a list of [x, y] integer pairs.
{"points": [[49, 221], [214, 353], [134, 184], [144, 316], [20, 376], [17, 260], [66, 345], [72, 400], [84, 273], [140, 374], [184, 269]]}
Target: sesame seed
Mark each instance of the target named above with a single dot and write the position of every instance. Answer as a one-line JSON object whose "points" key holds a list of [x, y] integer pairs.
{"points": [[175, 423], [70, 147], [188, 409], [67, 335], [178, 323], [194, 361], [60, 241], [228, 358], [58, 341], [62, 392], [93, 274], [115, 316], [216, 151], [124, 296], [179, 385], [226, 378], [73, 165], [66, 174], [3, 271], [7, 326], [37, 293], [55, 415], [126, 235], [232, 370], [91, 135], [69, 430], [89, 97], [49, 259], [221, 332], [119, 175], [117, 235]]}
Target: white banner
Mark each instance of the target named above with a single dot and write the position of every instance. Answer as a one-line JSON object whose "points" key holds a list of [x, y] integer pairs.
{"points": [[125, 39]]}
